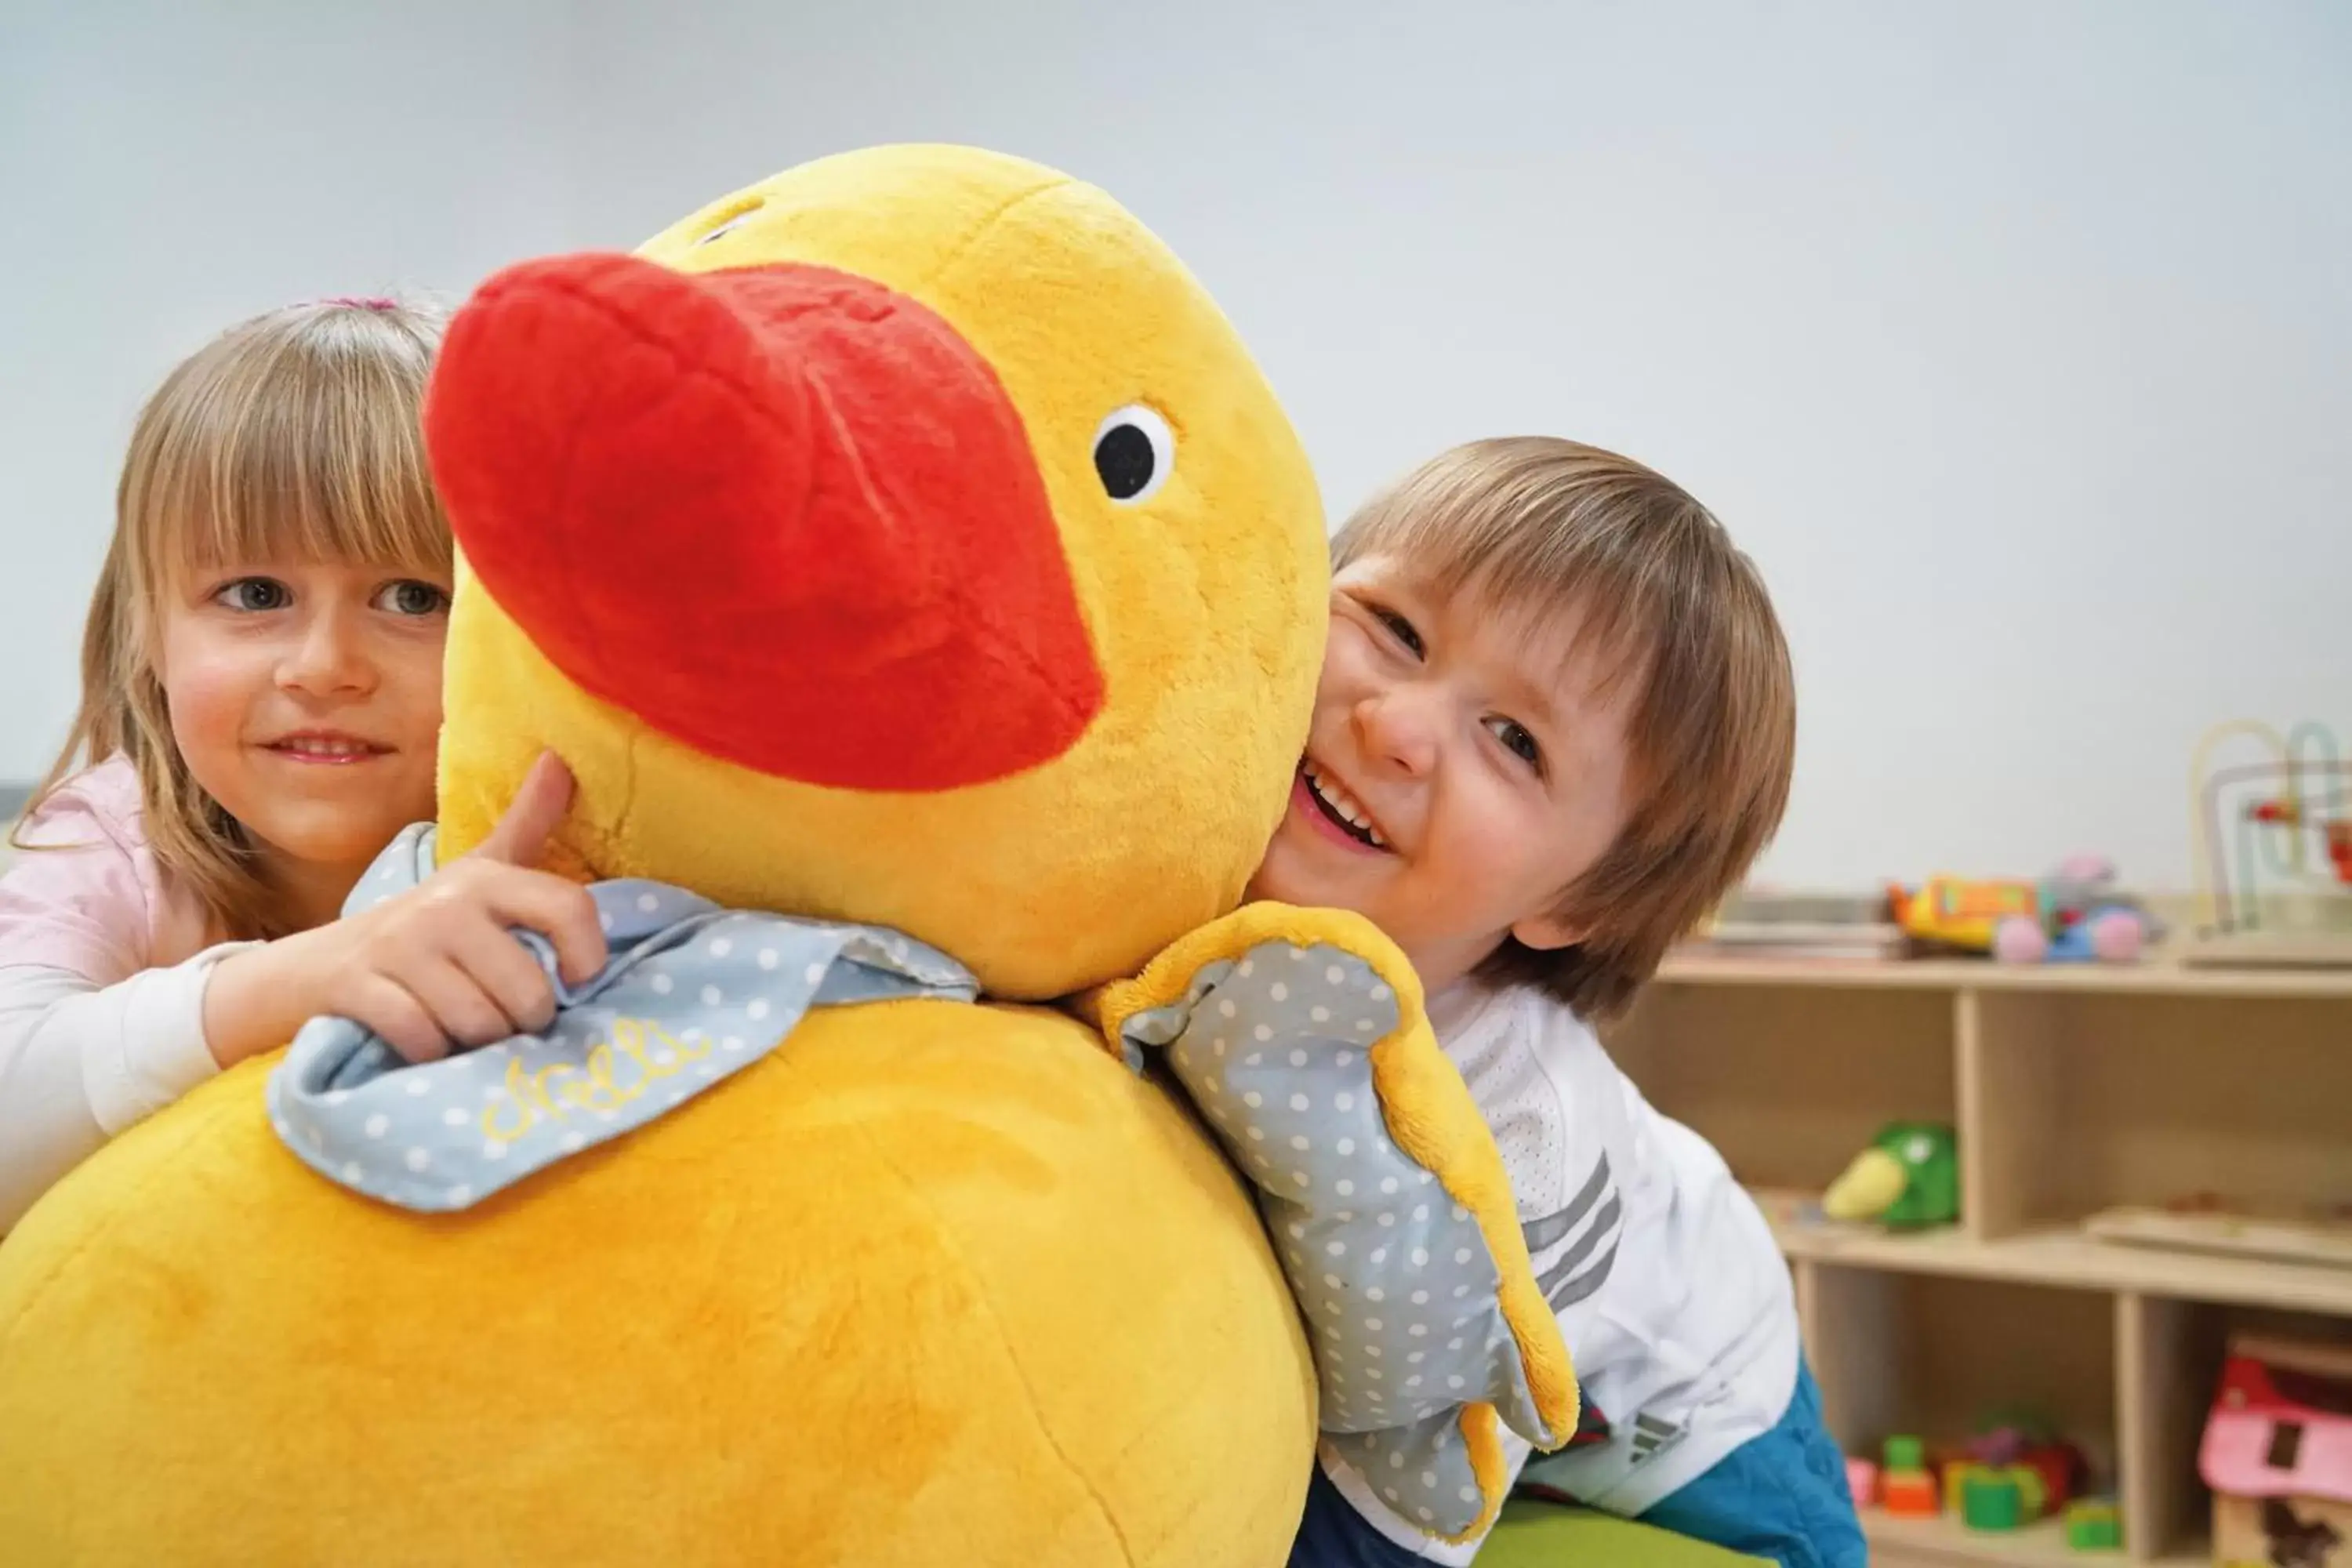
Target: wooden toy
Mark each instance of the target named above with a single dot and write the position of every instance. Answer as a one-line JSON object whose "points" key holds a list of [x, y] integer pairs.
{"points": [[1951, 1475], [1994, 1500], [1907, 1488], [1909, 1177], [2028, 1442], [2277, 1451], [1948, 912], [2271, 847], [2229, 1225], [2072, 915], [2095, 1524], [1908, 1494], [1862, 1479]]}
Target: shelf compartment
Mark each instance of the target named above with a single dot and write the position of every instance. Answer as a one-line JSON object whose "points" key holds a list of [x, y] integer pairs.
{"points": [[1937, 1358], [1790, 1085], [1900, 1354], [2146, 1099], [2169, 1357]]}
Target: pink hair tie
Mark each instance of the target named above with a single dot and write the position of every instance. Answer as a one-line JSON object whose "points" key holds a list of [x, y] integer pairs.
{"points": [[371, 303]]}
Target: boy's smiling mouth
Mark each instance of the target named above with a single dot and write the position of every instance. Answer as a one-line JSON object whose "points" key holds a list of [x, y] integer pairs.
{"points": [[1340, 810]]}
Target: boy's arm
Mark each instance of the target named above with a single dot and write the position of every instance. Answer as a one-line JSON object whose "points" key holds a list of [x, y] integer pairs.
{"points": [[1300, 1035]]}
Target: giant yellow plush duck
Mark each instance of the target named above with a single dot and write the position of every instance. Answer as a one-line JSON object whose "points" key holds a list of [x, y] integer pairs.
{"points": [[915, 571]]}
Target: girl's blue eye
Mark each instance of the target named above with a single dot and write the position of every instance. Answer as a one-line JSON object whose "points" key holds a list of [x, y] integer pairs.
{"points": [[1516, 741], [410, 596], [253, 595]]}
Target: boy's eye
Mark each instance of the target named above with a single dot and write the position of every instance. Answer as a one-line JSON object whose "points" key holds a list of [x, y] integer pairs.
{"points": [[410, 597], [1516, 741], [1401, 629], [253, 593]]}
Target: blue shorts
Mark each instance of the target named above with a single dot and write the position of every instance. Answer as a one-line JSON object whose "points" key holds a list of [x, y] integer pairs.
{"points": [[1782, 1497]]}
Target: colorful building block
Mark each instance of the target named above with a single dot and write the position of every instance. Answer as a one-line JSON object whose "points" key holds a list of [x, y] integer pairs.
{"points": [[1992, 1499], [1862, 1479], [2095, 1524], [1909, 1494], [1950, 1474]]}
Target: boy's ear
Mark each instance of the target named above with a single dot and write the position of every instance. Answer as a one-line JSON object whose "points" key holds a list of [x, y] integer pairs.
{"points": [[1546, 933]]}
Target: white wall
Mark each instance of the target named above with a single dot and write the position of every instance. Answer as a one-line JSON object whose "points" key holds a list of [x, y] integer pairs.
{"points": [[2015, 341], [168, 169]]}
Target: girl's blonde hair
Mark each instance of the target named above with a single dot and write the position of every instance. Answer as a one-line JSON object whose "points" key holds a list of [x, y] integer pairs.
{"points": [[294, 436]]}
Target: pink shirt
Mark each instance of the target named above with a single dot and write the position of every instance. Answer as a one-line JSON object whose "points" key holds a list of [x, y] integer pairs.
{"points": [[93, 900], [103, 964]]}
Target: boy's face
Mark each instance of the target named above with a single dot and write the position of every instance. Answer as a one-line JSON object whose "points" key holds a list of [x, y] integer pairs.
{"points": [[1460, 771]]}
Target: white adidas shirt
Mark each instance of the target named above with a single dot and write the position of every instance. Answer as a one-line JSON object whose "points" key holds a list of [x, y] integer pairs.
{"points": [[1670, 1290]]}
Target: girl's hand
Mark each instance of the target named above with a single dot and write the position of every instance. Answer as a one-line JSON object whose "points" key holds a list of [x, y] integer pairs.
{"points": [[435, 968]]}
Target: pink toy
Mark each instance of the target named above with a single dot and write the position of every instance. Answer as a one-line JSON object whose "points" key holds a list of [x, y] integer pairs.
{"points": [[2277, 1452], [2081, 921], [1861, 1478], [2020, 940], [2118, 936]]}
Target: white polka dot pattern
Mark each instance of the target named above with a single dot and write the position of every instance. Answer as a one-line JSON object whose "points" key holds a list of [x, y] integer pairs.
{"points": [[689, 993], [1400, 1292]]}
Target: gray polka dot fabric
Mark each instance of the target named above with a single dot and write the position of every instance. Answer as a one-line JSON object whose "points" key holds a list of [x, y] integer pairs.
{"points": [[1398, 1290], [689, 993]]}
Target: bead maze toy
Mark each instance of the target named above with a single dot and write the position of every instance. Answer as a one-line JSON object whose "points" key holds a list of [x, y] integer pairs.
{"points": [[2271, 847]]}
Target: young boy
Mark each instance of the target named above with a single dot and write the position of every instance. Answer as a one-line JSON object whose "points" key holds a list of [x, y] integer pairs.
{"points": [[1554, 724]]}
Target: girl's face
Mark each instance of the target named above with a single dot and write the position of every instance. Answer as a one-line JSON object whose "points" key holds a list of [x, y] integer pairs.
{"points": [[307, 699]]}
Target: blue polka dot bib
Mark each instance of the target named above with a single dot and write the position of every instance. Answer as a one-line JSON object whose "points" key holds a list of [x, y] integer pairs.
{"points": [[689, 993]]}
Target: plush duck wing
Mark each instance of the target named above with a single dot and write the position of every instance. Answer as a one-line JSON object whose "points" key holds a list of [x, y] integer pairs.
{"points": [[1300, 1035]]}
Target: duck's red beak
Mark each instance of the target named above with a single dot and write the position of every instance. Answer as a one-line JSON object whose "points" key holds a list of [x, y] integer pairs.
{"points": [[783, 514]]}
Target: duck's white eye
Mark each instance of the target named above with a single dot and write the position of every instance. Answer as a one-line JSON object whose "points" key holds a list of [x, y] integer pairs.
{"points": [[1134, 453], [733, 223]]}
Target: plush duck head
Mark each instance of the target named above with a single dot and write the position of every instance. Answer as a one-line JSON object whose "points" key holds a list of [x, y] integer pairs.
{"points": [[909, 539]]}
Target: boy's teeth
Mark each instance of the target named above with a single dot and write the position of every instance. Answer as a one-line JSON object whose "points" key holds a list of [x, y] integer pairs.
{"points": [[1344, 805]]}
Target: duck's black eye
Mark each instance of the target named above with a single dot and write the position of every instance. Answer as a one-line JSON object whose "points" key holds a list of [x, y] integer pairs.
{"points": [[1134, 451]]}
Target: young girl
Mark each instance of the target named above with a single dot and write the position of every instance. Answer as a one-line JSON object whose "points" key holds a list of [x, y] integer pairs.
{"points": [[260, 712]]}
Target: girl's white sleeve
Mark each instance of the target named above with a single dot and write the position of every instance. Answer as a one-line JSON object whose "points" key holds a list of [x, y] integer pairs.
{"points": [[79, 1063]]}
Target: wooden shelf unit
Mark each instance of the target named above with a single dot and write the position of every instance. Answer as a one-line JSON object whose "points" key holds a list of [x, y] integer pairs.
{"points": [[2074, 1089]]}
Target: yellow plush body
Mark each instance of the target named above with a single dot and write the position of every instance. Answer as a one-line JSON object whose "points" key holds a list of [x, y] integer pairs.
{"points": [[854, 1309], [931, 1283]]}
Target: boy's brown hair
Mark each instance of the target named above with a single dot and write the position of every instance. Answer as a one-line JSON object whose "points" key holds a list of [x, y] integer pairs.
{"points": [[1544, 527]]}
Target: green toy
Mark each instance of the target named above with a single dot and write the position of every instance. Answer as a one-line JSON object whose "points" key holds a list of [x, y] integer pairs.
{"points": [[1908, 1178], [2095, 1524], [1992, 1499]]}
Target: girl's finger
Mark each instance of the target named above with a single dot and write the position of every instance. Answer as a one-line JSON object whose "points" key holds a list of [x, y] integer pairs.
{"points": [[461, 1010], [560, 911], [508, 974], [382, 1004], [519, 836]]}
